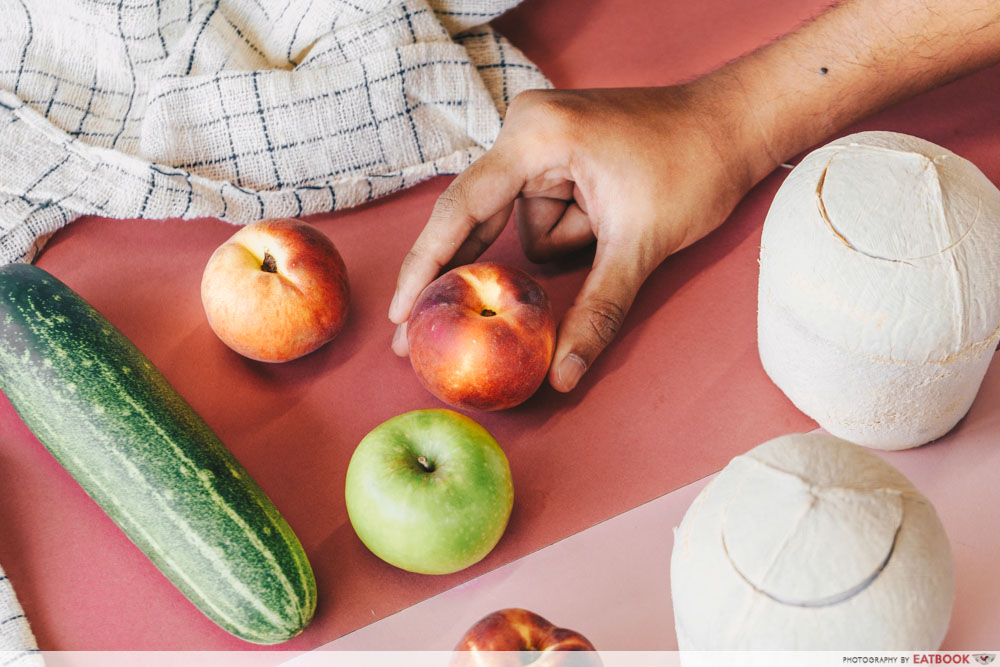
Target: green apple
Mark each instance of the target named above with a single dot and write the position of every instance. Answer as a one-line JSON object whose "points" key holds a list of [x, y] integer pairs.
{"points": [[429, 491]]}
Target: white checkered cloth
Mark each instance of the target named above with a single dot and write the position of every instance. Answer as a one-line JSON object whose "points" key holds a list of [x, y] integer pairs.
{"points": [[239, 109], [236, 109], [17, 644]]}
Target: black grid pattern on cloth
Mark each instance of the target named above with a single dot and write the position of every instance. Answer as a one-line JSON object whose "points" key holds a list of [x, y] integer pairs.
{"points": [[17, 643], [239, 109]]}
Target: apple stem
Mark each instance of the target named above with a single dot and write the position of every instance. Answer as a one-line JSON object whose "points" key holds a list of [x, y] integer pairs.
{"points": [[486, 312], [269, 265], [425, 464]]}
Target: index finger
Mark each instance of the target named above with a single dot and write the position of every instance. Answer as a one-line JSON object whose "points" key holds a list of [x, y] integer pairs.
{"points": [[483, 191]]}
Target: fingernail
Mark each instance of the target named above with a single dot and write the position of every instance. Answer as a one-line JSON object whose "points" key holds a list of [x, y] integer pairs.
{"points": [[396, 335], [392, 306], [571, 369]]}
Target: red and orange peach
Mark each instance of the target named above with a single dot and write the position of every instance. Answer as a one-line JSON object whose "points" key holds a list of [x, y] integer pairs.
{"points": [[276, 290], [516, 637], [481, 336]]}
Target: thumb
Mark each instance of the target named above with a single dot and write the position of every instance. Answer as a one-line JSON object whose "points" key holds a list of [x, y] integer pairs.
{"points": [[597, 314]]}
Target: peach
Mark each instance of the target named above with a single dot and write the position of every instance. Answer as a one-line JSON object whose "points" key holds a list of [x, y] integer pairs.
{"points": [[516, 637], [481, 336], [276, 290]]}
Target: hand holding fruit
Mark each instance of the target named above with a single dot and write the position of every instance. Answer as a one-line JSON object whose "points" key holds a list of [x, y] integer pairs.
{"points": [[644, 172]]}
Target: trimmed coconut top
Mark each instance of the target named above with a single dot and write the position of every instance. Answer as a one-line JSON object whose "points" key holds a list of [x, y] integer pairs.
{"points": [[889, 245], [808, 545], [810, 542], [856, 199], [811, 520]]}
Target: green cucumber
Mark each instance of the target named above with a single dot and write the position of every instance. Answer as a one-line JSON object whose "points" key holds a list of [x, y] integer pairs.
{"points": [[152, 464]]}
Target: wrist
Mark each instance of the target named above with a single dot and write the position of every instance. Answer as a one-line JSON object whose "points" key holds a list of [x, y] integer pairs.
{"points": [[741, 134]]}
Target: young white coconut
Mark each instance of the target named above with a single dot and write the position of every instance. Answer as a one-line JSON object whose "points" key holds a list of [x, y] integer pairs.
{"points": [[809, 542], [879, 293]]}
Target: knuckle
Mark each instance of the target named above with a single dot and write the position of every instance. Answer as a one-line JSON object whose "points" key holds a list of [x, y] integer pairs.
{"points": [[450, 212], [540, 113], [556, 106], [605, 318], [413, 257], [525, 100], [448, 203]]}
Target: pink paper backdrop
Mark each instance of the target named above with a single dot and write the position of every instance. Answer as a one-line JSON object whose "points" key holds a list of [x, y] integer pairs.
{"points": [[675, 397]]}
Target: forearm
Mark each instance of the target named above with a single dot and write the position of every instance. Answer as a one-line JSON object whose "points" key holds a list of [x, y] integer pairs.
{"points": [[856, 58], [646, 172]]}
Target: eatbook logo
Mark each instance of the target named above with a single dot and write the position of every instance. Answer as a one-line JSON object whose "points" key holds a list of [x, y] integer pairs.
{"points": [[984, 658]]}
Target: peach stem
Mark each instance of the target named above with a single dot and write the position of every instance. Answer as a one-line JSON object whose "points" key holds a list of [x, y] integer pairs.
{"points": [[269, 265]]}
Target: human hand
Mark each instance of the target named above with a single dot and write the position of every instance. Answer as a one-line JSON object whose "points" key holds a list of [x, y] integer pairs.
{"points": [[643, 172]]}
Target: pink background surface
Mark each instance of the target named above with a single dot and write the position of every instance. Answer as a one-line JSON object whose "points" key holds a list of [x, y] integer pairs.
{"points": [[673, 400], [611, 582]]}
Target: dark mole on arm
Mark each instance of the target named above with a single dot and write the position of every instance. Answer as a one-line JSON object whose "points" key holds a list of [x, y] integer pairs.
{"points": [[823, 70]]}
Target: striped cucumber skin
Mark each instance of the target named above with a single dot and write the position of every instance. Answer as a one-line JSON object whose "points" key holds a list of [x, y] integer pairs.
{"points": [[152, 464]]}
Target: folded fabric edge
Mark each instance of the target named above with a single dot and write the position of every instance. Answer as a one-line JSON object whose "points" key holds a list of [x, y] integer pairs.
{"points": [[82, 164], [17, 641], [223, 200]]}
